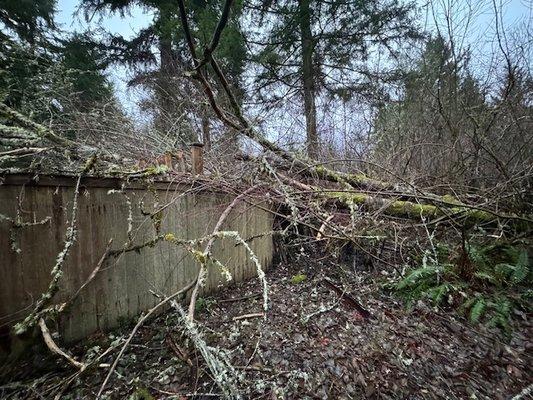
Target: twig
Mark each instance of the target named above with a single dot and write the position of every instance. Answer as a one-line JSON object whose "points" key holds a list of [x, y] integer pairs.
{"points": [[250, 296], [255, 368], [323, 227], [256, 348], [246, 316], [91, 277], [23, 151], [77, 374], [348, 299], [55, 349], [178, 351], [305, 319], [202, 275]]}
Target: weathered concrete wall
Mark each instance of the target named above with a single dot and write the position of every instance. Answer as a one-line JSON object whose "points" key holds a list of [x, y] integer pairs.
{"points": [[122, 288]]}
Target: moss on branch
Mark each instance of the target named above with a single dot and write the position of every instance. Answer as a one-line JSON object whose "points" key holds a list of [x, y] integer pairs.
{"points": [[354, 180], [408, 209]]}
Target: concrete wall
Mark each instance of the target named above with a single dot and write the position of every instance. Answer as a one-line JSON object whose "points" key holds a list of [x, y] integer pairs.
{"points": [[122, 288]]}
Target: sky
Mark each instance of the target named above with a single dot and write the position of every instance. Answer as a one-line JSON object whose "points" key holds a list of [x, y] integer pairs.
{"points": [[70, 20]]}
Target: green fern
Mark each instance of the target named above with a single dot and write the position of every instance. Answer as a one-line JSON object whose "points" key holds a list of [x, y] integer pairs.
{"points": [[521, 268], [527, 295], [437, 294], [467, 304], [477, 310], [415, 277], [443, 251], [515, 273], [478, 255], [501, 269], [487, 276], [502, 308]]}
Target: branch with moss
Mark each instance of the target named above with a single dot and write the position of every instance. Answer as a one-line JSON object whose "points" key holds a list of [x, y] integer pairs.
{"points": [[446, 210], [306, 167], [27, 124], [202, 275], [39, 310], [223, 372]]}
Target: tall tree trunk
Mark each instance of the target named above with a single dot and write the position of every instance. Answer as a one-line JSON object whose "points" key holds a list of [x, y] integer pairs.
{"points": [[206, 129], [308, 77], [162, 90]]}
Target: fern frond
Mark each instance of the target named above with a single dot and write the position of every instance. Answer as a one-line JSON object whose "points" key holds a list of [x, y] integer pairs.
{"points": [[477, 309], [501, 322], [527, 295], [438, 293], [502, 306], [416, 276], [467, 304], [498, 266], [486, 276], [478, 256], [504, 270], [521, 269]]}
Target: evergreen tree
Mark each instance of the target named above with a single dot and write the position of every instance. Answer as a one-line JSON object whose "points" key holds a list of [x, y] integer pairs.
{"points": [[27, 19], [45, 74], [162, 44], [23, 41], [84, 61], [323, 46]]}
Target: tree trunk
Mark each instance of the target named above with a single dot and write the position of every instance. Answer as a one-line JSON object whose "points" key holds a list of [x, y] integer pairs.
{"points": [[162, 89], [308, 78], [206, 130]]}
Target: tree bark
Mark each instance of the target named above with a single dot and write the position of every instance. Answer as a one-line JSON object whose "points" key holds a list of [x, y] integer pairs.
{"points": [[308, 78], [163, 87], [206, 129]]}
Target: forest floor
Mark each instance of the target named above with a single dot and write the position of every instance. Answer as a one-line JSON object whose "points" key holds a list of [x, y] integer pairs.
{"points": [[312, 345]]}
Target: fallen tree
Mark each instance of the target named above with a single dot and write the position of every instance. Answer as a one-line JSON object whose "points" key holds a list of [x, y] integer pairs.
{"points": [[427, 205], [307, 193]]}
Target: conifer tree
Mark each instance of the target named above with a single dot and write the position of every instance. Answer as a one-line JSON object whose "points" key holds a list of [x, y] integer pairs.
{"points": [[45, 73], [323, 47], [163, 45]]}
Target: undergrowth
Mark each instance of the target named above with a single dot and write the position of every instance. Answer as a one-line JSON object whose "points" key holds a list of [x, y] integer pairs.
{"points": [[487, 282]]}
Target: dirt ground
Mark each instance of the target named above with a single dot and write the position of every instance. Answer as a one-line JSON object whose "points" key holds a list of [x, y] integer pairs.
{"points": [[314, 344]]}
